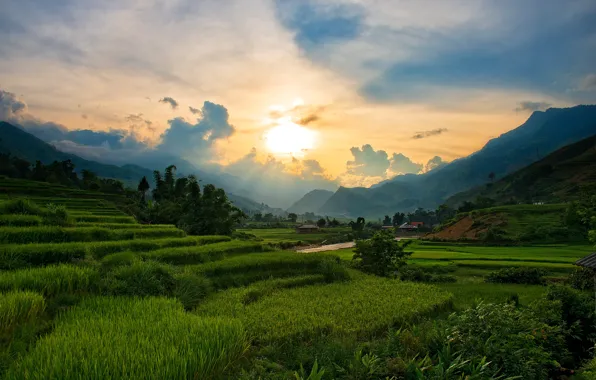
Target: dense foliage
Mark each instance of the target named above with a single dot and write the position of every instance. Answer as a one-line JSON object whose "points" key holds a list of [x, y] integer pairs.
{"points": [[381, 254], [532, 276], [180, 201]]}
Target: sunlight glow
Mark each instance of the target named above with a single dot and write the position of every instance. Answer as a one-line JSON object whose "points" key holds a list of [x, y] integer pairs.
{"points": [[289, 138]]}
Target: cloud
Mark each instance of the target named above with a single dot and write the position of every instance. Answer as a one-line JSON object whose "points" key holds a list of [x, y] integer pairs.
{"points": [[432, 132], [10, 106], [434, 163], [588, 83], [319, 24], [532, 106], [368, 162], [194, 141], [301, 114], [168, 100], [194, 111], [400, 164], [84, 116]]}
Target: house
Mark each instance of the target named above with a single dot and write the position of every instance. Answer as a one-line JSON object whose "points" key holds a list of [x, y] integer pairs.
{"points": [[408, 227], [417, 224], [307, 229]]}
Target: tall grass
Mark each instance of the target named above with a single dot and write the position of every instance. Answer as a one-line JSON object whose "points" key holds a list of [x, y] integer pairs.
{"points": [[19, 256], [361, 307], [202, 254], [105, 219], [18, 307], [50, 280], [20, 220], [246, 269], [26, 235], [133, 338], [121, 226]]}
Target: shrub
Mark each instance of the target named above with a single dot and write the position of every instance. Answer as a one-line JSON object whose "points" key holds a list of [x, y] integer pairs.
{"points": [[18, 307], [381, 255], [50, 280], [578, 316], [523, 275], [515, 341], [582, 278], [118, 338], [20, 220], [56, 215], [20, 206], [191, 289], [141, 279]]}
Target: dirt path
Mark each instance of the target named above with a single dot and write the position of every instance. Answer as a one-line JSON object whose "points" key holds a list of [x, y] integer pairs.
{"points": [[335, 247]]}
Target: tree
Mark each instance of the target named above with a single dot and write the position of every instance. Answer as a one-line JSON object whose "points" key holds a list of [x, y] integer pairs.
{"points": [[143, 187], [358, 225], [387, 220], [381, 254], [334, 223], [258, 217], [293, 217], [491, 176], [321, 222], [398, 219]]}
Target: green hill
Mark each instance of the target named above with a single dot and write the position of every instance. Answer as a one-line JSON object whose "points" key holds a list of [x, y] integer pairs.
{"points": [[556, 178], [311, 201]]}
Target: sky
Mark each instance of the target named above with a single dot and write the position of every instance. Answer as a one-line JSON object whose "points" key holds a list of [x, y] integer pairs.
{"points": [[336, 92]]}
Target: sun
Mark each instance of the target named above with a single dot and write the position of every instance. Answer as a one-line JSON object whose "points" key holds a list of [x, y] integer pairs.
{"points": [[289, 138]]}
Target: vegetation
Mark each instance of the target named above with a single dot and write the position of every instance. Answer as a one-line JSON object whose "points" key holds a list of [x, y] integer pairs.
{"points": [[381, 255]]}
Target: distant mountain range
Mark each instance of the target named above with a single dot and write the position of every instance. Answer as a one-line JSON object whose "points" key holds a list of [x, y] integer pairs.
{"points": [[311, 201], [22, 144], [543, 133], [556, 178]]}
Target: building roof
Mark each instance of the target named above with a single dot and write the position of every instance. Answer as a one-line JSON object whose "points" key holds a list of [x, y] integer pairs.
{"points": [[408, 226], [588, 261], [305, 226], [417, 223]]}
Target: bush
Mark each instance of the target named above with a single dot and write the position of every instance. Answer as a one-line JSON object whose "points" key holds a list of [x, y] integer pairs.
{"points": [[132, 338], [422, 274], [582, 278], [516, 341], [527, 275], [381, 255], [141, 279], [20, 206], [191, 289]]}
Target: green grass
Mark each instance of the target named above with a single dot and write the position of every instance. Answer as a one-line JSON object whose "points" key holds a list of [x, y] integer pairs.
{"points": [[202, 254], [121, 226], [105, 219], [47, 234], [278, 235], [246, 269], [18, 307], [117, 338], [50, 280], [468, 294], [20, 220], [364, 306]]}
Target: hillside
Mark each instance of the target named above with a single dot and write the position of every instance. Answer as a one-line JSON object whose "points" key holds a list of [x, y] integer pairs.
{"points": [[556, 178], [19, 143], [514, 223], [311, 201], [543, 133]]}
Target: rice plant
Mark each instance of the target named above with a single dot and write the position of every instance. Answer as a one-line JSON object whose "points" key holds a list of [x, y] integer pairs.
{"points": [[18, 307], [362, 307], [201, 254], [26, 235], [50, 280], [105, 219], [121, 226], [149, 338], [20, 220], [25, 255]]}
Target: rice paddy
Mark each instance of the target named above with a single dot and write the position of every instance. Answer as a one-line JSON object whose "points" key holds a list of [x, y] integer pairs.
{"points": [[126, 300]]}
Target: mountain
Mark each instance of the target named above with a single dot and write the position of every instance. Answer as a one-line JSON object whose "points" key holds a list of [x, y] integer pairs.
{"points": [[543, 133], [250, 206], [556, 178], [22, 144], [311, 201]]}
